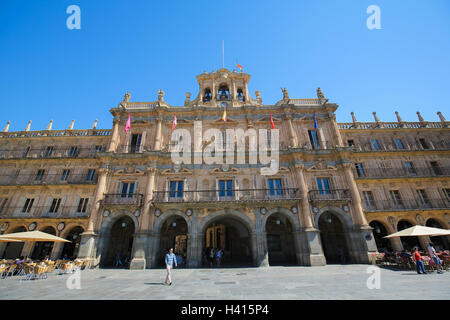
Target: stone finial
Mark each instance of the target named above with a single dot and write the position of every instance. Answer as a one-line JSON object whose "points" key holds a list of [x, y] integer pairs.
{"points": [[95, 124], [441, 116], [320, 94], [49, 127], [420, 117], [27, 128], [258, 96], [375, 117], [188, 99], [160, 95], [7, 126], [399, 119], [353, 117], [71, 125]]}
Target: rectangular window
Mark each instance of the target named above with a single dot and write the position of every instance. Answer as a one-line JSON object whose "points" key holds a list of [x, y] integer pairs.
{"points": [[275, 187], [423, 198], [399, 144], [176, 189], [436, 169], [98, 148], [368, 199], [323, 186], [410, 168], [65, 174], [424, 144], [447, 193], [225, 188], [351, 143], [48, 151], [375, 144], [396, 198], [55, 205], [39, 175], [127, 189], [82, 204], [27, 150], [135, 143], [73, 152], [359, 169], [28, 205], [313, 139], [90, 175]]}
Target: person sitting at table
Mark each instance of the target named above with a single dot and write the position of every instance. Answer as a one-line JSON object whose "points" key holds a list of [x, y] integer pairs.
{"points": [[20, 260]]}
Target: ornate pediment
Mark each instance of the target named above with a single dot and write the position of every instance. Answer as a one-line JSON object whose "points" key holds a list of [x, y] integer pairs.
{"points": [[321, 166], [128, 170], [224, 168], [176, 170]]}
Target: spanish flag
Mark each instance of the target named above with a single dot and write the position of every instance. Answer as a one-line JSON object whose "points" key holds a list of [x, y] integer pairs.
{"points": [[224, 117], [239, 66], [174, 123], [271, 121]]}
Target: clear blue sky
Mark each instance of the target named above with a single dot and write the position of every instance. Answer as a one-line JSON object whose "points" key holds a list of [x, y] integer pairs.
{"points": [[50, 72]]}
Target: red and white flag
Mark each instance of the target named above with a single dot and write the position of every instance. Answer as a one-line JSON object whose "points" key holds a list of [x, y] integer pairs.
{"points": [[128, 124], [271, 121], [174, 123]]}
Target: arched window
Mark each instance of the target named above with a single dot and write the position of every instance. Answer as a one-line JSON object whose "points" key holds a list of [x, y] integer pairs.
{"points": [[224, 93], [207, 95], [240, 95]]}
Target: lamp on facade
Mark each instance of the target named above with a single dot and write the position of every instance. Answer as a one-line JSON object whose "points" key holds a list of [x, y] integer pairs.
{"points": [[278, 221], [329, 219], [124, 224], [174, 224], [377, 230]]}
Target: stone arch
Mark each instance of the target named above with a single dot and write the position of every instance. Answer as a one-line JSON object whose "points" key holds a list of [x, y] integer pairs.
{"points": [[109, 221], [345, 218], [287, 213], [227, 213], [379, 234], [441, 221], [166, 215], [13, 250]]}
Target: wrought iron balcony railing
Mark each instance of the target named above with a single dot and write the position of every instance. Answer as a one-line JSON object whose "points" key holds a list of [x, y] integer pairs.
{"points": [[405, 204], [401, 172], [51, 152], [388, 147], [227, 195], [135, 199], [330, 195], [35, 179], [45, 212]]}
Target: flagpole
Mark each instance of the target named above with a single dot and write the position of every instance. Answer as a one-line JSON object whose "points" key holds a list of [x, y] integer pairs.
{"points": [[223, 53]]}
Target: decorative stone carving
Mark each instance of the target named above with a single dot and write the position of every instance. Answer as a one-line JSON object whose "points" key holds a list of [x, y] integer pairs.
{"points": [[285, 94], [419, 219], [391, 220], [160, 96]]}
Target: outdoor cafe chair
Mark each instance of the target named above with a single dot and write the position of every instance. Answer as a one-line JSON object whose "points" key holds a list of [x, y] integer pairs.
{"points": [[3, 270], [28, 272]]}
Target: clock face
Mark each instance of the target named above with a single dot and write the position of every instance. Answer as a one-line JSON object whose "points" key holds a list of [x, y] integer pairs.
{"points": [[224, 104]]}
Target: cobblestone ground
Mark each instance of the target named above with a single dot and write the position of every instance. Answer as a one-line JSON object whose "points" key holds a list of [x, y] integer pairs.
{"points": [[329, 282]]}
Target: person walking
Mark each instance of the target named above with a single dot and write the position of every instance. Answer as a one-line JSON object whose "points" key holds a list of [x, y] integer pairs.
{"points": [[435, 258], [419, 262], [219, 255], [212, 254], [170, 261]]}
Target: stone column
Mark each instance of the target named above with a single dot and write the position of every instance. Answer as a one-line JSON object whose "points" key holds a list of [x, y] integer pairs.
{"points": [[337, 133], [88, 238], [396, 244], [194, 250], [115, 135], [260, 254], [356, 198], [293, 136], [158, 137], [141, 238], [27, 249], [311, 252]]}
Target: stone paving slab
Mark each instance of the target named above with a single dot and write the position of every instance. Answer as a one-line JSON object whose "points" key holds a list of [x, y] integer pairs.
{"points": [[340, 282]]}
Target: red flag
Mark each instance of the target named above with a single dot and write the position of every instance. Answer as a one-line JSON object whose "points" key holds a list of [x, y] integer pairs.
{"points": [[271, 121], [239, 66], [174, 123], [128, 124]]}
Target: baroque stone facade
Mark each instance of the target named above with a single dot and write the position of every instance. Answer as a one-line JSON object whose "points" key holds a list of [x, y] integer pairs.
{"points": [[118, 195]]}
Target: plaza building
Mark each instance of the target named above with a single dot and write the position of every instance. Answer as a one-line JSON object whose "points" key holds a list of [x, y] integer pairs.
{"points": [[118, 195]]}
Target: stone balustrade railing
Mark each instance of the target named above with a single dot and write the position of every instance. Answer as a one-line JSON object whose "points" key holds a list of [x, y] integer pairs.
{"points": [[390, 125], [56, 133]]}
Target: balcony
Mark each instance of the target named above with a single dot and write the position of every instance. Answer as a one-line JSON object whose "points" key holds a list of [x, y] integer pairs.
{"points": [[128, 199], [406, 204], [233, 195], [55, 152], [401, 172], [330, 195], [390, 147], [44, 212], [47, 179]]}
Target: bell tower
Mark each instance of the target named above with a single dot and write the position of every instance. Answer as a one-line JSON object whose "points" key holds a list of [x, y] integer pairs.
{"points": [[223, 86]]}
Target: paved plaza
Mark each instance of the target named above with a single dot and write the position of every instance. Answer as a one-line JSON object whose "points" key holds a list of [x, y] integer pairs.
{"points": [[329, 282]]}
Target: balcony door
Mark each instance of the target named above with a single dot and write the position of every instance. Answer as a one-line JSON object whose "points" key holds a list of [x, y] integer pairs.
{"points": [[275, 188], [226, 189], [176, 190], [127, 189], [323, 185]]}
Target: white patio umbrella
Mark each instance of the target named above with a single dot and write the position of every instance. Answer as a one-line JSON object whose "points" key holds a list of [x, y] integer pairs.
{"points": [[9, 240], [417, 231], [33, 236]]}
